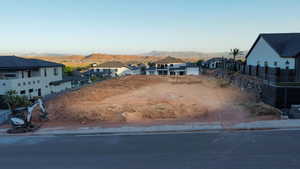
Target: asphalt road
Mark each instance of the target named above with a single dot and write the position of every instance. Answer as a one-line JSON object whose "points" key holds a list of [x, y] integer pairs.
{"points": [[222, 150]]}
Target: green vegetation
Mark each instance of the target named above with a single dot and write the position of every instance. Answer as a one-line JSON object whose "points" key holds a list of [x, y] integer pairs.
{"points": [[199, 62], [14, 101], [68, 70]]}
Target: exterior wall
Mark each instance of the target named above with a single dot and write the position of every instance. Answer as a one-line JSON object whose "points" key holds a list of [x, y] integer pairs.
{"points": [[123, 71], [37, 81], [119, 71], [151, 72], [263, 52], [192, 71], [61, 87], [175, 65]]}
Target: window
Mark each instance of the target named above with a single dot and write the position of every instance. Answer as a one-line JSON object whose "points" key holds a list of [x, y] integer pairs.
{"points": [[29, 73], [55, 72], [45, 72], [19, 84], [10, 75], [38, 81], [30, 90], [24, 84], [23, 92], [29, 83], [22, 75], [3, 84], [33, 82], [266, 63], [275, 64]]}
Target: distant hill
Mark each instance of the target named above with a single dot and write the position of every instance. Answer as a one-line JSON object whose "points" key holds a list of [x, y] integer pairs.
{"points": [[80, 60], [189, 54]]}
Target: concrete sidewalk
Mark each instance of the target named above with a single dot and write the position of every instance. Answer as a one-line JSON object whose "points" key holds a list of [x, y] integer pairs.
{"points": [[188, 127]]}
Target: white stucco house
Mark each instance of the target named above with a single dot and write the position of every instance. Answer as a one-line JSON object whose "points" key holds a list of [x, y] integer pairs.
{"points": [[213, 62], [31, 77], [112, 68], [172, 66], [275, 50]]}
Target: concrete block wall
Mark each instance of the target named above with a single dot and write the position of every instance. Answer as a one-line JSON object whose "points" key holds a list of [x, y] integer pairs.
{"points": [[4, 116]]}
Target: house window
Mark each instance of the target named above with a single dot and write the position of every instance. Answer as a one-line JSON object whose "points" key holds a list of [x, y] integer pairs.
{"points": [[22, 75], [30, 90], [29, 73], [45, 72], [29, 83], [3, 84], [287, 64], [38, 81], [33, 82], [19, 84], [23, 92], [55, 72], [266, 63], [24, 83], [10, 75], [275, 64]]}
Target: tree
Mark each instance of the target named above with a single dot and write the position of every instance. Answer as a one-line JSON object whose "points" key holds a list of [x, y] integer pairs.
{"points": [[151, 64], [68, 70], [235, 52], [199, 62], [14, 101]]}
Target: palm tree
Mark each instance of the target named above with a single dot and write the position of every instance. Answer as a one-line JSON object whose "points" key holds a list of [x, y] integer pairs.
{"points": [[235, 52]]}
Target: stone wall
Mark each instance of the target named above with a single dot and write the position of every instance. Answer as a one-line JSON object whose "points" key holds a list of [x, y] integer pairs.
{"points": [[246, 83]]}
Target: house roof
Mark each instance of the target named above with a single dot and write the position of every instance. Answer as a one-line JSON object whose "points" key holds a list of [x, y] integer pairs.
{"points": [[212, 60], [112, 64], [285, 44], [14, 62], [169, 59]]}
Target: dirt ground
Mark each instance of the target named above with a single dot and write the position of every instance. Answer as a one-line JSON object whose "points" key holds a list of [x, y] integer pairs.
{"points": [[152, 100]]}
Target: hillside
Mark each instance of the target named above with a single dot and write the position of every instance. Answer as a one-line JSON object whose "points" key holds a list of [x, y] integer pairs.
{"points": [[81, 61], [190, 54]]}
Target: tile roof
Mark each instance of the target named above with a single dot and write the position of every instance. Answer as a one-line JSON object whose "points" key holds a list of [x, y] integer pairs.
{"points": [[112, 64], [14, 62], [169, 59]]}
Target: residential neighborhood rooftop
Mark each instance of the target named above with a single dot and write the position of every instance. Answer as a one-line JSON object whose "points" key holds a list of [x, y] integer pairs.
{"points": [[14, 62], [285, 44], [112, 64], [170, 59]]}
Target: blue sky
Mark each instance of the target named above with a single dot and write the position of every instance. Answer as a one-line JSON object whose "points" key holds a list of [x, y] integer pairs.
{"points": [[137, 26]]}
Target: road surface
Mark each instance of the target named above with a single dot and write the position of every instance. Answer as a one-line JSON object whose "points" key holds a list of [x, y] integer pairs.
{"points": [[218, 150]]}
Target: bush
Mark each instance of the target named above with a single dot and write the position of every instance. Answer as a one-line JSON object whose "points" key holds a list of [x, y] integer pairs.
{"points": [[14, 101]]}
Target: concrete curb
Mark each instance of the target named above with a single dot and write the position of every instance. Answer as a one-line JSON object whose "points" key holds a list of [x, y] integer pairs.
{"points": [[188, 127]]}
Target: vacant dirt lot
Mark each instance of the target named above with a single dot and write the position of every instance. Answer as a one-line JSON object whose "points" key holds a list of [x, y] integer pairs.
{"points": [[152, 99]]}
